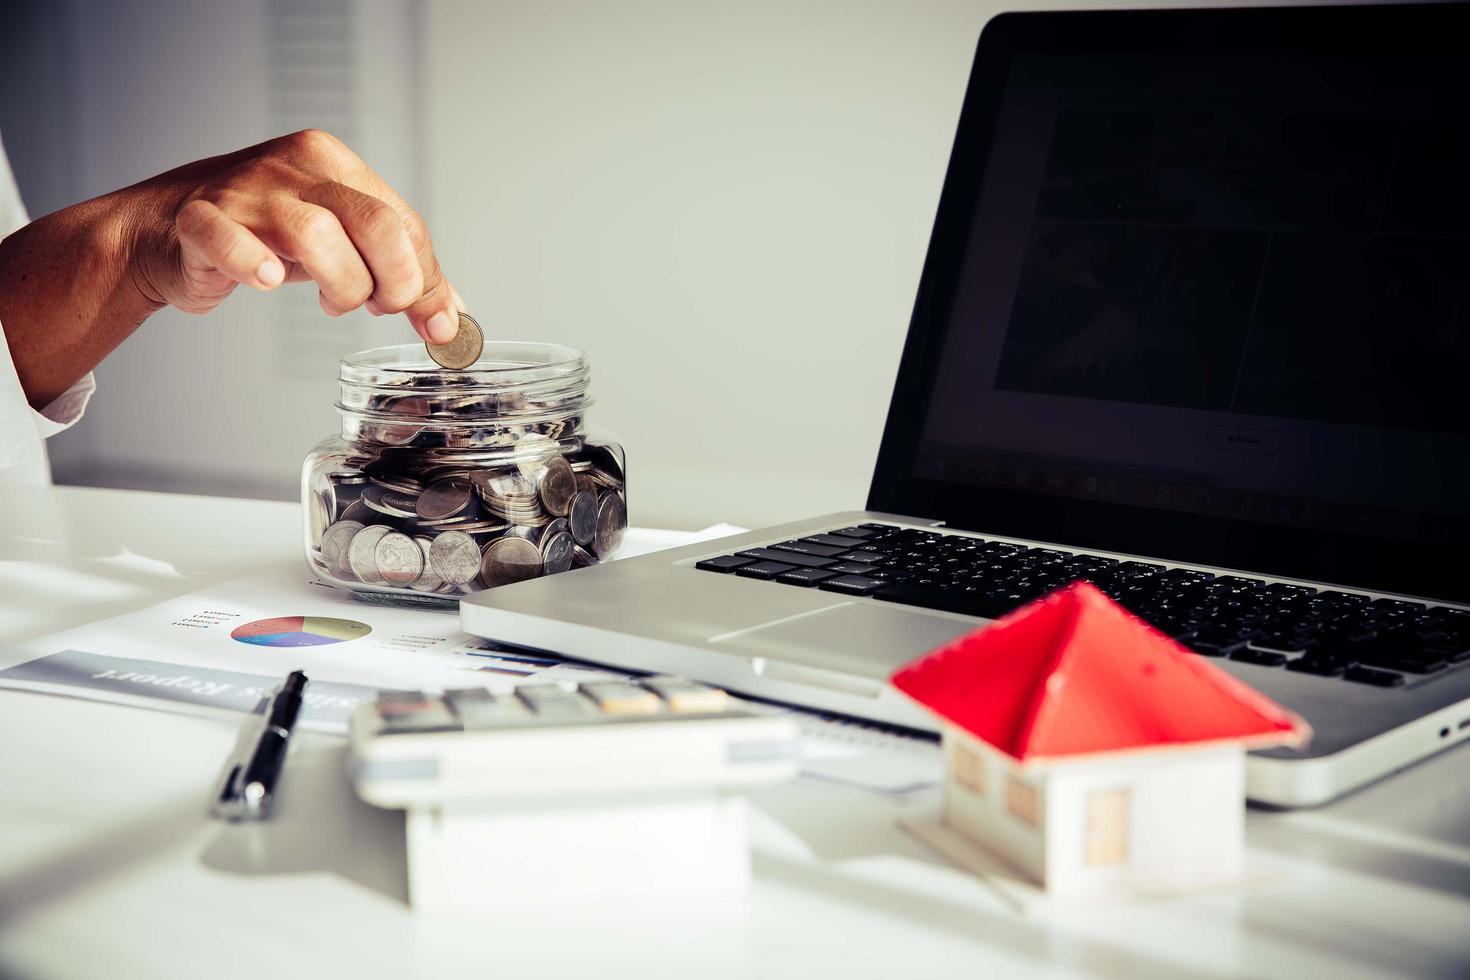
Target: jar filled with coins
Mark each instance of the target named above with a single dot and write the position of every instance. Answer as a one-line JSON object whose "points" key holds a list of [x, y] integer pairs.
{"points": [[446, 481]]}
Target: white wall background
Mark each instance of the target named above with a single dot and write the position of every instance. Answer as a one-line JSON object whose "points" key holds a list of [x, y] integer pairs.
{"points": [[726, 204]]}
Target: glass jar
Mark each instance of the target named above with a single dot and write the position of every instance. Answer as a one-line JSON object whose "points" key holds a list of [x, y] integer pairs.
{"points": [[446, 482]]}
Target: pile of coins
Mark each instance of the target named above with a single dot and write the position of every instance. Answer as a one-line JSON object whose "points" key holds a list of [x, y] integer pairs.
{"points": [[447, 523]]}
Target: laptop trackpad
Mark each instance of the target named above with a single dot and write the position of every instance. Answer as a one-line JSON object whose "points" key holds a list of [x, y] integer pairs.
{"points": [[854, 636]]}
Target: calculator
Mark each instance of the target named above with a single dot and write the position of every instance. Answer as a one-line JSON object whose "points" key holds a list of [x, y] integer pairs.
{"points": [[544, 742]]}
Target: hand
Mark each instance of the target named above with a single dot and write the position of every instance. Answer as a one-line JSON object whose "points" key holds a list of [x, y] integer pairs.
{"points": [[291, 209]]}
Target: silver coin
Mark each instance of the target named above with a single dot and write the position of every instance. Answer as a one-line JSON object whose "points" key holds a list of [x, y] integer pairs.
{"points": [[444, 498], [558, 526], [398, 559], [320, 507], [334, 545], [428, 580], [556, 552], [556, 485], [533, 451], [398, 484], [361, 560], [455, 557], [581, 557], [389, 502], [503, 491], [583, 516], [612, 521], [356, 511], [509, 560]]}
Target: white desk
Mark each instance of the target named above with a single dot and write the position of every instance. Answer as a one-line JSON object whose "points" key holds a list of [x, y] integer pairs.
{"points": [[109, 867]]}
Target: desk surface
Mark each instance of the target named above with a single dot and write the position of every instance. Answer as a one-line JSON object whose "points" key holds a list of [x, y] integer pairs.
{"points": [[109, 866]]}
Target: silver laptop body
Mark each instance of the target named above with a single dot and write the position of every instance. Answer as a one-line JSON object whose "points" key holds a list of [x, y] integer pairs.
{"points": [[1268, 443]]}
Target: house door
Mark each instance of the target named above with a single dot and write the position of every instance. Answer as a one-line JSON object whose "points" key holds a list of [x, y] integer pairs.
{"points": [[1107, 827]]}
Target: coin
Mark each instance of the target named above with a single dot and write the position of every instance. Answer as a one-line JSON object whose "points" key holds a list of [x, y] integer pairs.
{"points": [[612, 520], [388, 502], [556, 552], [356, 511], [556, 484], [463, 350], [321, 512], [428, 580], [533, 450], [444, 498], [334, 545], [509, 560], [455, 557], [583, 516], [361, 551], [398, 558]]}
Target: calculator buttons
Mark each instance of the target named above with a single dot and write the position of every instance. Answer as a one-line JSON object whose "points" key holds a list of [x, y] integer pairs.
{"points": [[622, 698]]}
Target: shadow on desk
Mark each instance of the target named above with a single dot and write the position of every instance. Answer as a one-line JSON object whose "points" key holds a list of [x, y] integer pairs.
{"points": [[319, 826]]}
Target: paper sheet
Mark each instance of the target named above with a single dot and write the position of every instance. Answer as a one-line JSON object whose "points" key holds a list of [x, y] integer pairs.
{"points": [[222, 648]]}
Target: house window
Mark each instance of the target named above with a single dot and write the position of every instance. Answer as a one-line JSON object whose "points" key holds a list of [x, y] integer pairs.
{"points": [[1107, 827], [1023, 801], [969, 770]]}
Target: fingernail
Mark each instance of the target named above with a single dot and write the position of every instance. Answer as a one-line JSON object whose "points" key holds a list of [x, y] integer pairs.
{"points": [[270, 273], [372, 308], [441, 328]]}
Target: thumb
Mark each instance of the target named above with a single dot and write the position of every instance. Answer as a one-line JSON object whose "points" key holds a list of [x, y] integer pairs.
{"points": [[435, 315]]}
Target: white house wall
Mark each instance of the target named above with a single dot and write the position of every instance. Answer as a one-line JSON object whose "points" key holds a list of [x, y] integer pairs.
{"points": [[985, 817], [1185, 816]]}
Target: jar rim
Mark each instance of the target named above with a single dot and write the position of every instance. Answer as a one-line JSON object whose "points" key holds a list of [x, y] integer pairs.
{"points": [[503, 362]]}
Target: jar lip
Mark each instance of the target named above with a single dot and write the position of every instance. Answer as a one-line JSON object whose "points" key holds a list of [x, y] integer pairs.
{"points": [[503, 362]]}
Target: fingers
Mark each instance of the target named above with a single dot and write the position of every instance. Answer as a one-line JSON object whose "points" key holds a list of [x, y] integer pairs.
{"points": [[316, 240], [211, 239], [381, 239], [435, 314]]}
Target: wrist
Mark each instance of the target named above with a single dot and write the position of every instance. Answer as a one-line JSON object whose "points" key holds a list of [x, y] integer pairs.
{"points": [[142, 230]]}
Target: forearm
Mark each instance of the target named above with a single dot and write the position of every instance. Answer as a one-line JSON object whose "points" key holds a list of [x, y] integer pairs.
{"points": [[68, 290]]}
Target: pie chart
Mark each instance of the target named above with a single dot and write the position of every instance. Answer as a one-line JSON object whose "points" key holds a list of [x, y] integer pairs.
{"points": [[300, 631]]}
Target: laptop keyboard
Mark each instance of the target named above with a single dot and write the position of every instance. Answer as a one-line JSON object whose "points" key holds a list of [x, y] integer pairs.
{"points": [[1381, 642]]}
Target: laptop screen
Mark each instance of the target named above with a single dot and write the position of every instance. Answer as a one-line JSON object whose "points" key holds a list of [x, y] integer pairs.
{"points": [[1207, 297]]}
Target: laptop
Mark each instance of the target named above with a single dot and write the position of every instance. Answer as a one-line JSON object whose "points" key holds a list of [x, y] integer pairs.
{"points": [[1194, 325]]}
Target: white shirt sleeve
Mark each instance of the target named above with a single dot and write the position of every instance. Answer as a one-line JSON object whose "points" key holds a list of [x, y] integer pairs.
{"points": [[22, 456]]}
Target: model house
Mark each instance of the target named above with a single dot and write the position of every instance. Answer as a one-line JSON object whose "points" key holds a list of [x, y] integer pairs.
{"points": [[1090, 751]]}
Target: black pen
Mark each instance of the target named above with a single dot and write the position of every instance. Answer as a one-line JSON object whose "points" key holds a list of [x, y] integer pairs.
{"points": [[251, 775]]}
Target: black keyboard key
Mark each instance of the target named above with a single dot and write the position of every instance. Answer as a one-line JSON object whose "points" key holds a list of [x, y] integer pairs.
{"points": [[789, 557], [764, 569], [871, 557], [852, 568], [855, 532], [1215, 642], [805, 576], [967, 603], [1386, 654], [834, 540], [1397, 607], [1263, 658], [852, 585], [807, 548], [725, 563], [1285, 642], [1378, 678], [1324, 667]]}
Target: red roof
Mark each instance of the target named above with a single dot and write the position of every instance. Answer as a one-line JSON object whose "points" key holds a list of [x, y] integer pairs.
{"points": [[1075, 673]]}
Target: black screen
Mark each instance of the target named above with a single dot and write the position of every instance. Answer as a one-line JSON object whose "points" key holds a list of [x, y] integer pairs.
{"points": [[1208, 295]]}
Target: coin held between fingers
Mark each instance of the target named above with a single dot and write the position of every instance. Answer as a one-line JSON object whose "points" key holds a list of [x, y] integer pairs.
{"points": [[465, 349]]}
